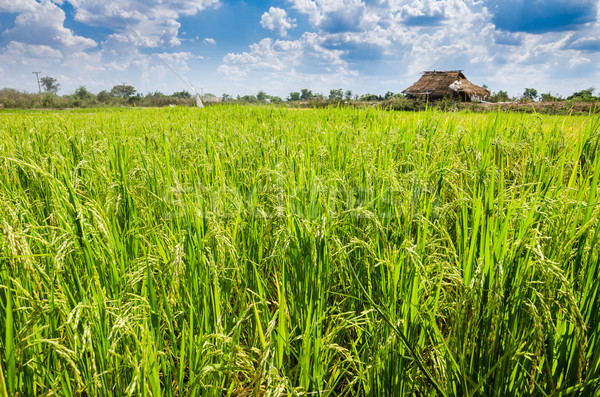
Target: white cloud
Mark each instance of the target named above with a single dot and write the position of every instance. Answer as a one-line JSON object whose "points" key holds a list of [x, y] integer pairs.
{"points": [[422, 8], [304, 61], [178, 59], [277, 21], [149, 23], [209, 40], [578, 61], [397, 39], [15, 50], [268, 54], [337, 15], [17, 5], [43, 24]]}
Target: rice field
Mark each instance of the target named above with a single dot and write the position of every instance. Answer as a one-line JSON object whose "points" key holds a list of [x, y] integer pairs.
{"points": [[249, 251]]}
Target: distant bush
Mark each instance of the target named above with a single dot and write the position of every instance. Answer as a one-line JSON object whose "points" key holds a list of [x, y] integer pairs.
{"points": [[500, 96], [48, 100], [11, 98], [584, 96], [403, 103]]}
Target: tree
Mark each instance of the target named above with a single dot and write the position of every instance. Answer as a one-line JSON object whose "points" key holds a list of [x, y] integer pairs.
{"points": [[103, 96], [182, 94], [530, 94], [155, 94], [294, 96], [388, 95], [122, 90], [370, 97], [583, 95], [50, 85], [336, 94], [500, 96], [306, 94], [226, 97], [82, 93], [261, 96], [135, 99], [248, 99], [549, 98], [348, 95]]}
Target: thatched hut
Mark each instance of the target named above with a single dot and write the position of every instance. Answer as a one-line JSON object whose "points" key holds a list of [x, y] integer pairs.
{"points": [[446, 84]]}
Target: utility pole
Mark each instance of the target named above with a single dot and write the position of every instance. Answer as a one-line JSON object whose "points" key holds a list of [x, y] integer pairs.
{"points": [[37, 74]]}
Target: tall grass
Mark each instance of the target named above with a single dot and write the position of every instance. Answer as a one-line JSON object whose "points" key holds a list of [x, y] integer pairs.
{"points": [[248, 251]]}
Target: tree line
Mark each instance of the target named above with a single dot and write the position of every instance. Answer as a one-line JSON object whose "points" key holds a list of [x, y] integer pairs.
{"points": [[126, 95], [118, 95]]}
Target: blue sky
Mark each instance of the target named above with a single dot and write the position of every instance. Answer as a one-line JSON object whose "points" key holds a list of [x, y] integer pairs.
{"points": [[239, 47]]}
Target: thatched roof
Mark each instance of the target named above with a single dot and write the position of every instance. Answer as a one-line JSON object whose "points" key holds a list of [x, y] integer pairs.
{"points": [[439, 84]]}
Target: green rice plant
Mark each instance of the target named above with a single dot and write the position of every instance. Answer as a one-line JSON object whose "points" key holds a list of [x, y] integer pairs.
{"points": [[268, 251]]}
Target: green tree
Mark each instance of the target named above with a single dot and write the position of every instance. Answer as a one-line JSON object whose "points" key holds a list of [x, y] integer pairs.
{"points": [[549, 98], [50, 84], [103, 96], [294, 96], [82, 93], [155, 94], [583, 95], [182, 94], [530, 94], [336, 94], [370, 97], [122, 90], [135, 99], [248, 99], [348, 95], [261, 96], [306, 94], [500, 96]]}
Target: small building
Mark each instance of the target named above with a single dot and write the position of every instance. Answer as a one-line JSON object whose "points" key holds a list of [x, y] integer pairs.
{"points": [[446, 84]]}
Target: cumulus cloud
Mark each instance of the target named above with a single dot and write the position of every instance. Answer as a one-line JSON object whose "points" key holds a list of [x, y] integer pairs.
{"points": [[37, 39], [409, 36], [17, 5], [149, 23], [15, 50], [302, 60], [43, 24], [336, 16], [423, 13], [209, 40], [277, 21], [307, 52], [178, 59]]}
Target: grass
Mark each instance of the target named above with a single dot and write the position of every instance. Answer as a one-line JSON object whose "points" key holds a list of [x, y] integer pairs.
{"points": [[263, 251]]}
